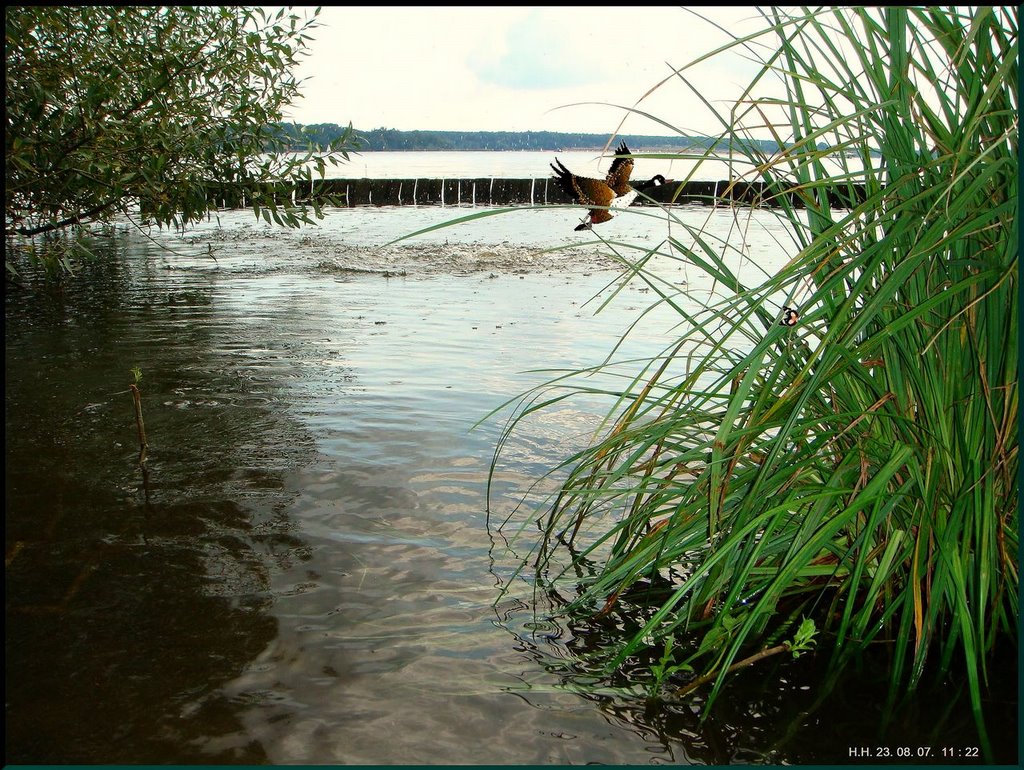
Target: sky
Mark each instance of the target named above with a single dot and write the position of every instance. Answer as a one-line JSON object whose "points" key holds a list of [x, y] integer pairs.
{"points": [[520, 68]]}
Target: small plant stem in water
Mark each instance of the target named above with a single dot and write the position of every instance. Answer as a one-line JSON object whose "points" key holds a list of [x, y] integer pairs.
{"points": [[768, 652], [143, 444]]}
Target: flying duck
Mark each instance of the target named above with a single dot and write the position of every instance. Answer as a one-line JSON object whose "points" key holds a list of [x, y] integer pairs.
{"points": [[613, 191]]}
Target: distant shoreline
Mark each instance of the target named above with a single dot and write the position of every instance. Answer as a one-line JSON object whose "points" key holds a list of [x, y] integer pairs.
{"points": [[602, 148], [392, 140]]}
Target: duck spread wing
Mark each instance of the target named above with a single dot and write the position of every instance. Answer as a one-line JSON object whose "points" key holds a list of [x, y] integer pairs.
{"points": [[621, 168], [582, 189]]}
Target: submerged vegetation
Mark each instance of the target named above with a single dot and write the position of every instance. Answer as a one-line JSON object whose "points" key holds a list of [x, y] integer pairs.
{"points": [[860, 467]]}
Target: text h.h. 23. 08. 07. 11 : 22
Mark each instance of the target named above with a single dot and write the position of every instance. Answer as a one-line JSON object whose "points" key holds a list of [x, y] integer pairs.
{"points": [[913, 752]]}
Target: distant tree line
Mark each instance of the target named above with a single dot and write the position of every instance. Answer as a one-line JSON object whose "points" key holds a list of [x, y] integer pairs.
{"points": [[322, 134]]}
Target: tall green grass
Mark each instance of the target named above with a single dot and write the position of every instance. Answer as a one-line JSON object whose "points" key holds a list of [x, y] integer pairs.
{"points": [[861, 467]]}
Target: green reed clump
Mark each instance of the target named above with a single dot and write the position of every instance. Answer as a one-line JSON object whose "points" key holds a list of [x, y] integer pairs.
{"points": [[860, 467]]}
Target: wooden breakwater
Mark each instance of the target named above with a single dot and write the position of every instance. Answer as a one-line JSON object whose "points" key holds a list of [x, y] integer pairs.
{"points": [[492, 191]]}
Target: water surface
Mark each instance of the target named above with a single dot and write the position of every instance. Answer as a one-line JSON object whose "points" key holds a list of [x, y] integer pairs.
{"points": [[308, 571], [419, 164]]}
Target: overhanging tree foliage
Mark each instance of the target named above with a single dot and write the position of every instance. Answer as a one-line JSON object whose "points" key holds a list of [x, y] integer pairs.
{"points": [[106, 106]]}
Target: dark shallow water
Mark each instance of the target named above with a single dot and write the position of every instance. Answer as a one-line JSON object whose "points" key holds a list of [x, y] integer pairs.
{"points": [[306, 573]]}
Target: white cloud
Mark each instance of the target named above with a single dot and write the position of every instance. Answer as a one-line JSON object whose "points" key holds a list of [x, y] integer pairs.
{"points": [[515, 68], [540, 53]]}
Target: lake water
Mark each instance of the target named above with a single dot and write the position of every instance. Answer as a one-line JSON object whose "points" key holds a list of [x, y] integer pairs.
{"points": [[527, 164], [307, 572], [513, 165]]}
